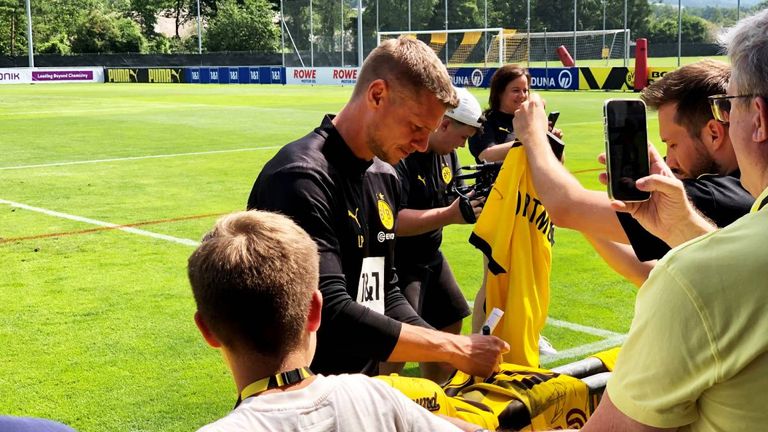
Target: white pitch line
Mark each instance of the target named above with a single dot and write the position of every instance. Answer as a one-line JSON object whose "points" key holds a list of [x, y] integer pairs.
{"points": [[582, 328], [573, 326], [584, 350], [54, 164], [131, 230]]}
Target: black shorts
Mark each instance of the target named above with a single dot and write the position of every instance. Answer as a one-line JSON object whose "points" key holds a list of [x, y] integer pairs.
{"points": [[434, 293]]}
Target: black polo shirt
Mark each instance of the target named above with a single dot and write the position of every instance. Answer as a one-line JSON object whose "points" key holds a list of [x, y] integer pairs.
{"points": [[497, 129], [347, 205], [424, 178], [722, 199]]}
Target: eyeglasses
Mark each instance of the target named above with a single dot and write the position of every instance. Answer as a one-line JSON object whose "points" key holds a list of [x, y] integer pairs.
{"points": [[721, 106]]}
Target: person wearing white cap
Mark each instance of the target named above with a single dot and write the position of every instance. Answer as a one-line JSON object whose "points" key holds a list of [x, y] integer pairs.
{"points": [[425, 208]]}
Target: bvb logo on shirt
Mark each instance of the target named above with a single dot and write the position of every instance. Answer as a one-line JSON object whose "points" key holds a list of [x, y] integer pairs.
{"points": [[385, 213], [447, 174]]}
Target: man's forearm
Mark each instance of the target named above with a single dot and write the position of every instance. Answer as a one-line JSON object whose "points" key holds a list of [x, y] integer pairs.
{"points": [[422, 344], [568, 203], [622, 259], [411, 222], [476, 355], [684, 232]]}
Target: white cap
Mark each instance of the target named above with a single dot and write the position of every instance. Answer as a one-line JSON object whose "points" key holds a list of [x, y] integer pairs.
{"points": [[468, 111]]}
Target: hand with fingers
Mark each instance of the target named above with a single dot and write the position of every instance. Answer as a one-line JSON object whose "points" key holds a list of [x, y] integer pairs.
{"points": [[668, 214], [530, 120], [479, 355], [467, 208]]}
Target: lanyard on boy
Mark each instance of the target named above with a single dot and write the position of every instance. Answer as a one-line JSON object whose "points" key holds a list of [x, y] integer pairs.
{"points": [[278, 380]]}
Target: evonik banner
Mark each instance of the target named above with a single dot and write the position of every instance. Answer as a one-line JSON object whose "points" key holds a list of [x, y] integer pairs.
{"points": [[51, 75]]}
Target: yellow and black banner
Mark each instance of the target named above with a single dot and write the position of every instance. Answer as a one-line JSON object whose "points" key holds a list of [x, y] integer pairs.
{"points": [[144, 75], [615, 78], [606, 78], [122, 75], [655, 73], [167, 75]]}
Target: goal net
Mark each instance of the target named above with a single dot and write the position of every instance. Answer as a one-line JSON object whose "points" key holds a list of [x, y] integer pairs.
{"points": [[459, 47], [497, 46]]}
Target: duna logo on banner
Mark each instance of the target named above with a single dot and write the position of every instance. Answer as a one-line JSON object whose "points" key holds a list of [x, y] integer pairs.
{"points": [[477, 77], [565, 79]]}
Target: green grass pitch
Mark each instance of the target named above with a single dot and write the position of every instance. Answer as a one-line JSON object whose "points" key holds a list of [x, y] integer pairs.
{"points": [[96, 327]]}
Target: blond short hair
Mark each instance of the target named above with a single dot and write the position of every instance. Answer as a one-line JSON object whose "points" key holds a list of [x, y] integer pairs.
{"points": [[252, 278], [408, 64]]}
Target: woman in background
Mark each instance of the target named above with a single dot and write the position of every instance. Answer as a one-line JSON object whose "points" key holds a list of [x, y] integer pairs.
{"points": [[509, 89]]}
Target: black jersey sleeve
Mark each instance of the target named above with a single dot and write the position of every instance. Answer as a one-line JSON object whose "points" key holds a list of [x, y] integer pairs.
{"points": [[647, 247], [456, 167], [404, 181], [355, 329], [720, 198]]}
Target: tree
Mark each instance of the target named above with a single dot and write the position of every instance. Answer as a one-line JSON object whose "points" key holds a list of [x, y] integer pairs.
{"points": [[694, 29], [106, 33], [461, 14], [12, 36], [145, 13], [244, 26]]}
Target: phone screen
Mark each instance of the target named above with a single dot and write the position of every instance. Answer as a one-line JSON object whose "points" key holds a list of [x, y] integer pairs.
{"points": [[626, 148]]}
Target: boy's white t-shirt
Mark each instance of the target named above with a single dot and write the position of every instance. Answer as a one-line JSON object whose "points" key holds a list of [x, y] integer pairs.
{"points": [[332, 403]]}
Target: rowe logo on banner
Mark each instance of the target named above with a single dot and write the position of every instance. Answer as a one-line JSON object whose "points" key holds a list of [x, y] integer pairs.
{"points": [[345, 76], [322, 76], [304, 76]]}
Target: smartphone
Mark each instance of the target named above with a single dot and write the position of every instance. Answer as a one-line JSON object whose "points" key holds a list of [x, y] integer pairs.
{"points": [[552, 118], [626, 148], [556, 143]]}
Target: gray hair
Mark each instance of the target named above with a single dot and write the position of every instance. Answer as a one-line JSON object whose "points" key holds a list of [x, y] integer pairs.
{"points": [[747, 47]]}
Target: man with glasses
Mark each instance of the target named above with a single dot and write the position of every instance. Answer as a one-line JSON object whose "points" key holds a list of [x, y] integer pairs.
{"points": [[698, 150], [696, 357]]}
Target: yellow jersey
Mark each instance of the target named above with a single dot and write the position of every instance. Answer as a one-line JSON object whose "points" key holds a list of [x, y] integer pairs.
{"points": [[516, 234]]}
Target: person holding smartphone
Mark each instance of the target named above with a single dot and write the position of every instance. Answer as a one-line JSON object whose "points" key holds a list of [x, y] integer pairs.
{"points": [[696, 356], [699, 151]]}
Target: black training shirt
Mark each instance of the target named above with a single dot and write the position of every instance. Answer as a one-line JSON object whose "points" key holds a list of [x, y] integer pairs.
{"points": [[424, 178], [347, 205], [719, 198], [497, 129]]}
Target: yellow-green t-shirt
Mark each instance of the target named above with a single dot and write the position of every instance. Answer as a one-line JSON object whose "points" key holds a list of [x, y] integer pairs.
{"points": [[697, 353]]}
